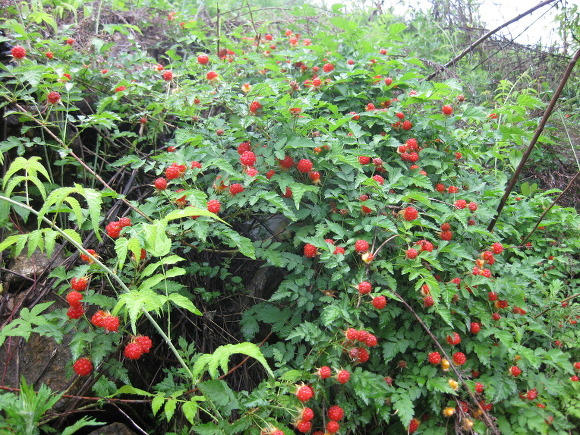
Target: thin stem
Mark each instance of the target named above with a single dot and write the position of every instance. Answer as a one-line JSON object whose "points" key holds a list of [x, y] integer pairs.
{"points": [[112, 274]]}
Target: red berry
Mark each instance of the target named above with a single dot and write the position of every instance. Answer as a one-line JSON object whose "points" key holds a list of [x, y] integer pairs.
{"points": [[74, 298], [379, 302], [447, 110], [243, 147], [304, 165], [410, 214], [492, 296], [248, 158], [49, 54], [343, 376], [145, 342], [324, 372], [98, 318], [133, 350], [310, 250], [446, 235], [577, 365], [460, 204], [214, 206], [364, 287], [532, 394], [18, 52], [335, 413], [111, 323], [211, 75], [75, 311], [474, 327], [434, 358], [371, 340], [453, 339], [53, 97], [574, 378], [255, 106], [428, 301], [304, 393], [361, 246], [363, 355], [88, 259], [173, 172], [203, 59], [515, 371], [113, 229], [125, 222], [307, 414], [167, 75], [352, 334], [497, 248], [314, 176], [479, 387], [83, 366], [236, 188], [472, 206], [303, 426], [379, 179], [332, 426], [364, 160], [414, 425], [495, 316], [328, 67], [411, 253], [459, 358], [79, 284], [160, 184], [407, 125]]}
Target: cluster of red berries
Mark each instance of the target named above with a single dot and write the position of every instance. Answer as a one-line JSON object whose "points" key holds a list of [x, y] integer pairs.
{"points": [[175, 171], [114, 228], [137, 347], [409, 151], [354, 337], [103, 319], [325, 372], [74, 297]]}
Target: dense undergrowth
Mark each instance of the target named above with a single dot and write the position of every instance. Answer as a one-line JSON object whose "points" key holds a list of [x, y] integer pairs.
{"points": [[284, 215]]}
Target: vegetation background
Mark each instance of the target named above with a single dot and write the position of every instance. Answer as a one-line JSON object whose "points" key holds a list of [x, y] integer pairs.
{"points": [[278, 217]]}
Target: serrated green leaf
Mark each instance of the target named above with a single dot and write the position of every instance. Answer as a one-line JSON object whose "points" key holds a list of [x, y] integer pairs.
{"points": [[183, 302], [157, 402], [169, 409], [129, 389]]}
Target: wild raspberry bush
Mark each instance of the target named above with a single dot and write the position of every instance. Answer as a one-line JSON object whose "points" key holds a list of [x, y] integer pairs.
{"points": [[363, 286]]}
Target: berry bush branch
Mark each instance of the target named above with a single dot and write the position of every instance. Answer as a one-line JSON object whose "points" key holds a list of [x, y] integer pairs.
{"points": [[489, 422], [537, 134], [112, 274]]}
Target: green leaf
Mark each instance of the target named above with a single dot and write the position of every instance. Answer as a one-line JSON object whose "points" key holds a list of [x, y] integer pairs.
{"points": [[403, 406], [156, 241], [183, 302], [157, 402], [220, 394], [221, 356], [129, 389], [169, 409]]}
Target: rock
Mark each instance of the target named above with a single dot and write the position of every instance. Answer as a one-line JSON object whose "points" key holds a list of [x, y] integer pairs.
{"points": [[25, 267]]}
